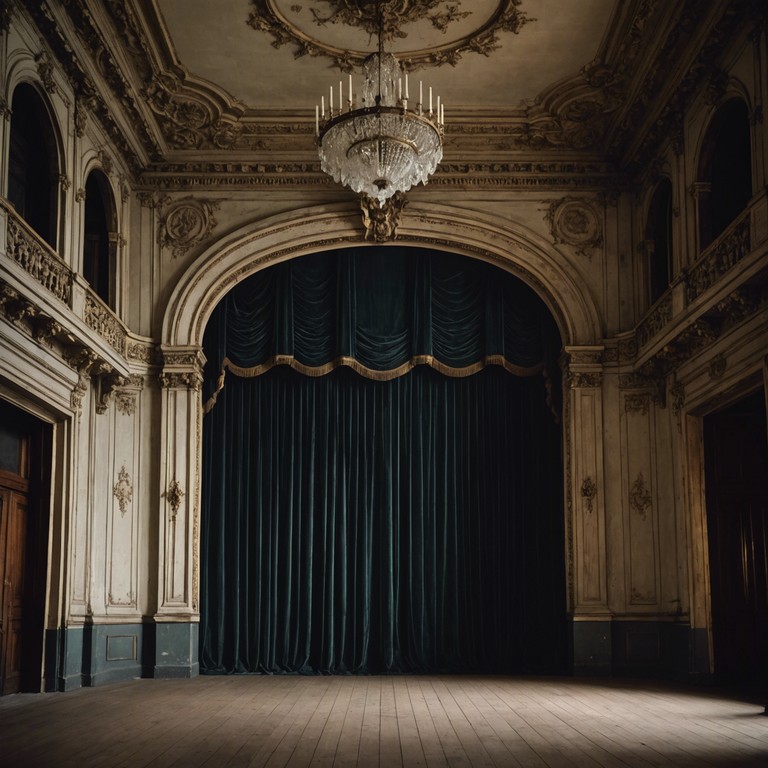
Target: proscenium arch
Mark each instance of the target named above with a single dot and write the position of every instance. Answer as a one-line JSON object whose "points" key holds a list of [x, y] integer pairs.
{"points": [[309, 230]]}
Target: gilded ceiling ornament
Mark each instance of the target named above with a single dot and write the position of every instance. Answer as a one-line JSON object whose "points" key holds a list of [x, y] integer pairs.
{"points": [[483, 39], [381, 221], [123, 490]]}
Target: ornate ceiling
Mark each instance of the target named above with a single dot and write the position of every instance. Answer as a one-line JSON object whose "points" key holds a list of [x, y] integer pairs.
{"points": [[530, 87]]}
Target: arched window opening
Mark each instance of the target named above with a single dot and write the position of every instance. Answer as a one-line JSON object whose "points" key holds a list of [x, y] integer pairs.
{"points": [[658, 237], [100, 237], [725, 169], [33, 167]]}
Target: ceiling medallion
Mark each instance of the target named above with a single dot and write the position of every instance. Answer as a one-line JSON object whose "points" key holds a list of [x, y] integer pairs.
{"points": [[378, 142], [483, 38]]}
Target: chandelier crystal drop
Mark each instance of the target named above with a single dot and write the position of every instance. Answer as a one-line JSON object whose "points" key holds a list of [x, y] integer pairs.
{"points": [[380, 146]]}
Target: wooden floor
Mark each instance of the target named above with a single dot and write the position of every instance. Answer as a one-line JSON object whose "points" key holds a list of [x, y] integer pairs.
{"points": [[381, 721]]}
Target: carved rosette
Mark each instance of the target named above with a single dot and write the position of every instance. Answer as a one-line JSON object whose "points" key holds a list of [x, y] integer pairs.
{"points": [[185, 224], [574, 222]]}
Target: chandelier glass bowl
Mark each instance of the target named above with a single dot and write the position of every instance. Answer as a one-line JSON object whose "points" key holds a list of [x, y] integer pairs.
{"points": [[380, 146]]}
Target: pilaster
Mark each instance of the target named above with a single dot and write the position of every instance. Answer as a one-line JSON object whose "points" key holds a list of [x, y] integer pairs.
{"points": [[179, 524]]}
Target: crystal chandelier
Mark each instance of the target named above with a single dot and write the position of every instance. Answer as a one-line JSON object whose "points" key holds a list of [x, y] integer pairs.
{"points": [[380, 146]]}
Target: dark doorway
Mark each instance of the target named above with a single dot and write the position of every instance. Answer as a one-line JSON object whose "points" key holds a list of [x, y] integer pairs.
{"points": [[100, 241], [24, 491], [736, 449]]}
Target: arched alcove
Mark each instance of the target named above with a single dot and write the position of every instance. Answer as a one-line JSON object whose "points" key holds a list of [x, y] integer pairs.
{"points": [[725, 170], [382, 470], [100, 237], [658, 239], [33, 165]]}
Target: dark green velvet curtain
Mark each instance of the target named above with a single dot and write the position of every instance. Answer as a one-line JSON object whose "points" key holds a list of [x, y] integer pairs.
{"points": [[367, 523]]}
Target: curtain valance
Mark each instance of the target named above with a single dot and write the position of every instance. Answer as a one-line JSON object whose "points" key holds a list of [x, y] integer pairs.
{"points": [[381, 311]]}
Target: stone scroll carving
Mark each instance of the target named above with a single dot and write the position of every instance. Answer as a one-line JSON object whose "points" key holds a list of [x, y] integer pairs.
{"points": [[123, 490], [185, 224]]}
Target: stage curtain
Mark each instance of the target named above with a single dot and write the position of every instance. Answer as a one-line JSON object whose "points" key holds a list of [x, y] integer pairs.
{"points": [[380, 311], [355, 524]]}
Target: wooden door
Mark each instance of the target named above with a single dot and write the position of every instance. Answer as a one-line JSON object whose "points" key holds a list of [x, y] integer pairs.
{"points": [[736, 449], [13, 540]]}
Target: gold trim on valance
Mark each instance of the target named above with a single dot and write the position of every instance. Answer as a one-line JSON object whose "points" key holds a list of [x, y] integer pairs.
{"points": [[369, 373]]}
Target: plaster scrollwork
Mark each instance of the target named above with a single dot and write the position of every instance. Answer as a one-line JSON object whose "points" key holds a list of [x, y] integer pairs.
{"points": [[187, 223], [174, 495], [125, 403], [677, 391], [717, 366], [574, 222], [640, 499], [381, 221], [266, 17], [108, 383], [637, 403], [101, 319], [582, 380], [123, 490], [589, 493], [180, 380], [6, 14], [44, 67]]}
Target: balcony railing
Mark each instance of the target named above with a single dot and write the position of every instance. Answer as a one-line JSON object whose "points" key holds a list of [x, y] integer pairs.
{"points": [[25, 247], [36, 257], [720, 257]]}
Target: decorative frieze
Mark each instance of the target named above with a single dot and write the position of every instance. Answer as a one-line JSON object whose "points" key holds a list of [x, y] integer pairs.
{"points": [[38, 259], [180, 380], [637, 403], [105, 323], [141, 353], [724, 254], [656, 320], [581, 380]]}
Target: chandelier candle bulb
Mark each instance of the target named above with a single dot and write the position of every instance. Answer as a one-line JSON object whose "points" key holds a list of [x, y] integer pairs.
{"points": [[421, 95], [322, 106], [341, 99], [438, 110], [317, 120], [406, 86], [430, 101], [400, 88], [350, 93]]}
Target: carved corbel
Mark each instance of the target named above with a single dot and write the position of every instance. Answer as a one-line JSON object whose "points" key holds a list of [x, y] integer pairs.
{"points": [[45, 329], [108, 383], [382, 220], [19, 309]]}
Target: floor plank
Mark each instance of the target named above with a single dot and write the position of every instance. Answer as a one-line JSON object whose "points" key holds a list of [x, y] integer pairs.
{"points": [[413, 721]]}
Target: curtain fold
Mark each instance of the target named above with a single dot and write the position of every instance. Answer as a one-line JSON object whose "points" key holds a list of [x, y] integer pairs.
{"points": [[380, 311]]}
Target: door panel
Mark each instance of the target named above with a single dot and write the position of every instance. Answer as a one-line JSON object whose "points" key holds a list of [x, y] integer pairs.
{"points": [[736, 449]]}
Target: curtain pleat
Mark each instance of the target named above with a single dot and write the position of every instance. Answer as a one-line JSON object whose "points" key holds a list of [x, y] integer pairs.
{"points": [[360, 526]]}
